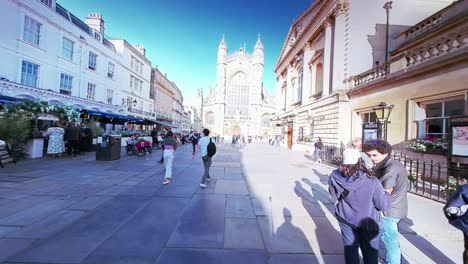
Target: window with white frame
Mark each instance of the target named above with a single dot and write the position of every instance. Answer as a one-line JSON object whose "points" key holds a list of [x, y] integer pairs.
{"points": [[92, 61], [110, 70], [110, 96], [91, 91], [369, 118], [32, 30], [66, 83], [299, 85], [29, 73], [67, 49], [141, 68], [131, 81], [132, 62], [266, 120], [435, 125]]}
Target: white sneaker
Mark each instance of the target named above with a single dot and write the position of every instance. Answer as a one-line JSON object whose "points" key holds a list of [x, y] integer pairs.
{"points": [[203, 185]]}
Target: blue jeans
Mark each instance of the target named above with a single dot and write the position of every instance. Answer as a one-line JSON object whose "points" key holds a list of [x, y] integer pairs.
{"points": [[355, 238], [390, 240]]}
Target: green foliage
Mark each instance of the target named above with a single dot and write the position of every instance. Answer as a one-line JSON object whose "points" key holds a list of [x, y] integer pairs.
{"points": [[96, 129], [32, 109], [15, 129], [309, 138], [429, 145]]}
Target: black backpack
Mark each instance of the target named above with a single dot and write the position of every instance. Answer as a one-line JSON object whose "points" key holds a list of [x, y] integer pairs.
{"points": [[211, 148]]}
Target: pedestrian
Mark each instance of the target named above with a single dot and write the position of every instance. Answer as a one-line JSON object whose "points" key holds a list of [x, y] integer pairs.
{"points": [[356, 143], [318, 150], [194, 139], [170, 145], [72, 136], [55, 146], [394, 178], [203, 147], [455, 211], [361, 198], [154, 136]]}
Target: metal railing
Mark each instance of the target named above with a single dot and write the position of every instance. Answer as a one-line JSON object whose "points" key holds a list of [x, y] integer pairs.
{"points": [[430, 179]]}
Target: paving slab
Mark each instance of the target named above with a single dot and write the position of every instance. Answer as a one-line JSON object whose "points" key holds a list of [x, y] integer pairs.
{"points": [[202, 224], [231, 187], [90, 203], [239, 206], [183, 256], [9, 247], [243, 233], [84, 236], [35, 213], [145, 234], [47, 227]]}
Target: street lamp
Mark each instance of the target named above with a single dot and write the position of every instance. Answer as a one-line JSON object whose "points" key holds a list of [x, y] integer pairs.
{"points": [[134, 103], [382, 112], [387, 7]]}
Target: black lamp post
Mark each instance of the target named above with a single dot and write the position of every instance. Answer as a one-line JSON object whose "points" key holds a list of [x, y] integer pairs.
{"points": [[382, 111], [387, 7]]}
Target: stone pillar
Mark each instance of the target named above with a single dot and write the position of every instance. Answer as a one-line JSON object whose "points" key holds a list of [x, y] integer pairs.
{"points": [[328, 56], [339, 62]]}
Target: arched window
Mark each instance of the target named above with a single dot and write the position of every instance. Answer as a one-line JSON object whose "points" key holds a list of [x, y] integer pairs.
{"points": [[209, 118], [299, 84], [238, 95]]}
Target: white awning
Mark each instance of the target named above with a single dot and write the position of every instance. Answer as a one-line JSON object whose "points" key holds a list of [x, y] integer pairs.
{"points": [[47, 117]]}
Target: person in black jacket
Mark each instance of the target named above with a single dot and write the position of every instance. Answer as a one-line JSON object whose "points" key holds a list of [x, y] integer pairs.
{"points": [[455, 211], [72, 136], [394, 178]]}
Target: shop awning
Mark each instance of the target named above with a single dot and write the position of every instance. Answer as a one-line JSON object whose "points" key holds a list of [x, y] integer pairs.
{"points": [[8, 100], [167, 124]]}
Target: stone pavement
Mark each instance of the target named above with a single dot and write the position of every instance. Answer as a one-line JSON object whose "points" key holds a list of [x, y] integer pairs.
{"points": [[264, 205]]}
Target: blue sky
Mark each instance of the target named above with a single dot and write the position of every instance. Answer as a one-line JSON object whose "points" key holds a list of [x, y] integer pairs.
{"points": [[181, 37]]}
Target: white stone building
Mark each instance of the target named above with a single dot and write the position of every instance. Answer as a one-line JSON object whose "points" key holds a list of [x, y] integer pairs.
{"points": [[50, 54], [331, 41], [194, 116], [239, 103]]}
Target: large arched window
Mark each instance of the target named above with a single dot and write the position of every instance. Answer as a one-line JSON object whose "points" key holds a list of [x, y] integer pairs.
{"points": [[209, 119], [238, 95]]}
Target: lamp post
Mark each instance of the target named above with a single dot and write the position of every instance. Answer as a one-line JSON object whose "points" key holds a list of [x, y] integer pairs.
{"points": [[382, 112], [387, 7]]}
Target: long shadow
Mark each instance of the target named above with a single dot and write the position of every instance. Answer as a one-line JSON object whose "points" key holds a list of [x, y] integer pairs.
{"points": [[290, 238], [326, 233], [424, 245]]}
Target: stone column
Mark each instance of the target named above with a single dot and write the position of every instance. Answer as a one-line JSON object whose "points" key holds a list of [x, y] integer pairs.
{"points": [[339, 61], [328, 55]]}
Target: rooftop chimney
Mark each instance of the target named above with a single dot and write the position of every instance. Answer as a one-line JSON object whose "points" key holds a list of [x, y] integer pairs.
{"points": [[95, 21], [140, 48]]}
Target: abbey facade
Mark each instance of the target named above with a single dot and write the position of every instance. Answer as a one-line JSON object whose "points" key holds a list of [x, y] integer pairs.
{"points": [[239, 104]]}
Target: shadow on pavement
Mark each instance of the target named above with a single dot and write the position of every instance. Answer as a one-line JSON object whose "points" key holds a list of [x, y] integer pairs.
{"points": [[422, 244]]}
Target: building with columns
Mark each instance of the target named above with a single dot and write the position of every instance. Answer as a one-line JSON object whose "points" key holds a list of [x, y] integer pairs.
{"points": [[239, 103], [194, 116], [326, 45]]}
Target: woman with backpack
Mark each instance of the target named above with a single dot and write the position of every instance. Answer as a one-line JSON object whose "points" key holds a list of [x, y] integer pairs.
{"points": [[208, 149], [360, 200]]}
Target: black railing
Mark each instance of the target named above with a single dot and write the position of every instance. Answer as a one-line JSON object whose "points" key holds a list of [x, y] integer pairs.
{"points": [[430, 179]]}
